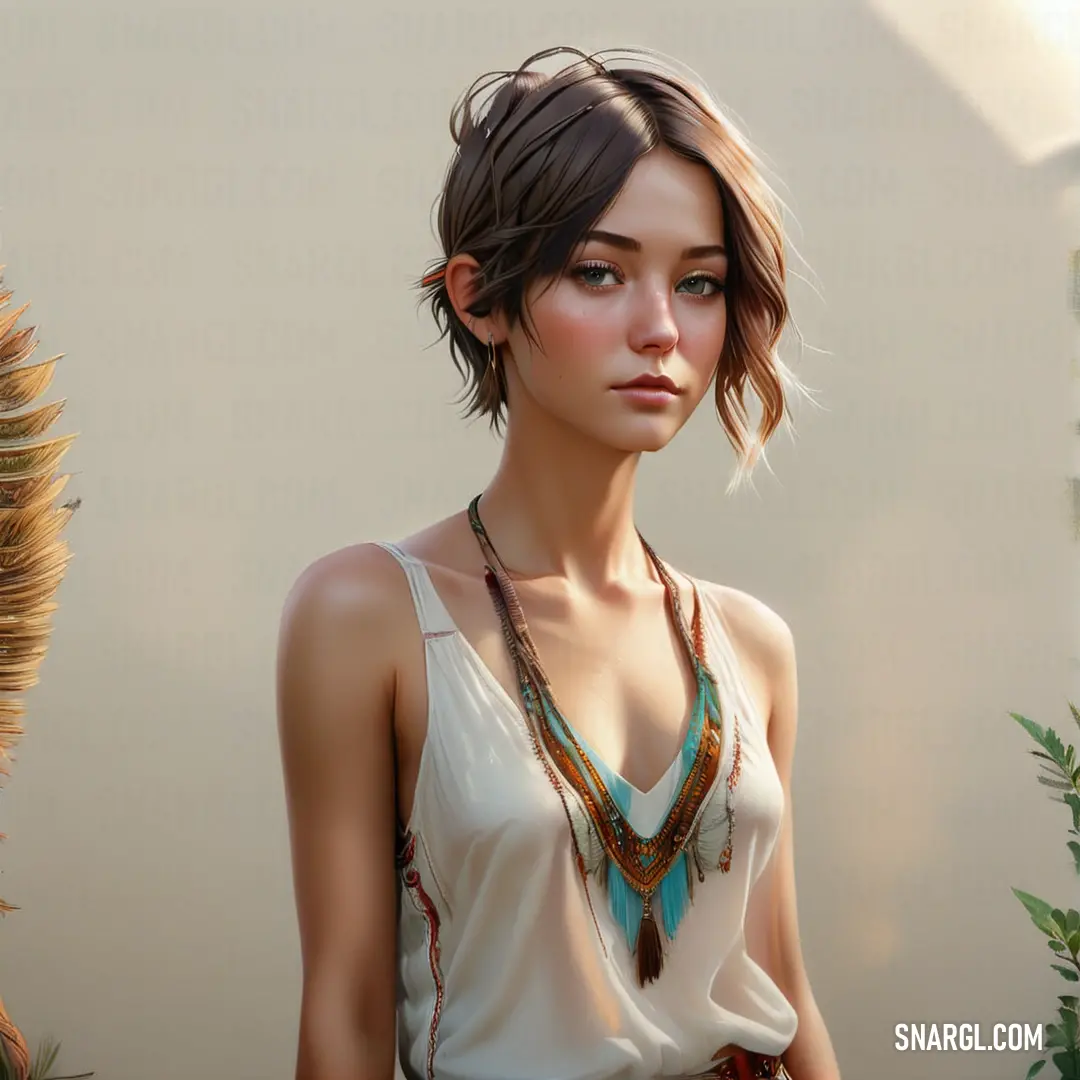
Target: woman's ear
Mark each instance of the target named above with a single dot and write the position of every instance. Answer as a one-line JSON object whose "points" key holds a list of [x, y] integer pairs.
{"points": [[461, 286]]}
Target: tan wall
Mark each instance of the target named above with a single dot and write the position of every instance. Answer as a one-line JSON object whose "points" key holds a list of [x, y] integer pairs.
{"points": [[216, 215]]}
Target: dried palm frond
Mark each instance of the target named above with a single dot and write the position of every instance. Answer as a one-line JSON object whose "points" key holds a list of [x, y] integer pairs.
{"points": [[34, 567], [33, 424], [11, 713], [19, 345], [29, 461], [33, 557], [29, 491], [15, 1061], [14, 1053], [20, 386]]}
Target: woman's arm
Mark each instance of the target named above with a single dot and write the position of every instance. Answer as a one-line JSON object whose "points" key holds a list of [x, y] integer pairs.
{"points": [[811, 1055], [335, 680]]}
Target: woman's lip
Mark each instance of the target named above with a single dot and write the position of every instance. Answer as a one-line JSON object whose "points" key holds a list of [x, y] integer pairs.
{"points": [[665, 386], [648, 395]]}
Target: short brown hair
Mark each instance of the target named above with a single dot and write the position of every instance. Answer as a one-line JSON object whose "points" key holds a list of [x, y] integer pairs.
{"points": [[534, 171]]}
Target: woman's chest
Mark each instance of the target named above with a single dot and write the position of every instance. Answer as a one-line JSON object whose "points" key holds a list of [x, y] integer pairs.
{"points": [[620, 675]]}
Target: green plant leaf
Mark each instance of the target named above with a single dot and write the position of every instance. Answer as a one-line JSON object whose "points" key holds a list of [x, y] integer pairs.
{"points": [[1075, 712], [1056, 768], [1055, 783], [1064, 1062], [1072, 800], [45, 1060], [1059, 919], [1039, 910], [1035, 1068], [1047, 738], [1072, 921], [1066, 973], [1074, 847], [1033, 729], [1054, 746], [1057, 946], [1068, 1026], [1069, 1002], [47, 1054]]}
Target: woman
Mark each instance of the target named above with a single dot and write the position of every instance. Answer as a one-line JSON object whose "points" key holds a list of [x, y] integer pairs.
{"points": [[584, 755]]}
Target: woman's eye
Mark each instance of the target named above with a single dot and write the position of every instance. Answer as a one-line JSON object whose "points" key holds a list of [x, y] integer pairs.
{"points": [[705, 280], [593, 275]]}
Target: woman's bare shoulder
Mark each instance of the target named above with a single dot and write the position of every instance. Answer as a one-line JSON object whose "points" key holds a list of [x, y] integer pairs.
{"points": [[350, 608], [757, 624], [752, 615], [354, 583], [362, 585]]}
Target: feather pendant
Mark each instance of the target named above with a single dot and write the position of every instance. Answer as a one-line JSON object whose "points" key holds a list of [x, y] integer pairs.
{"points": [[589, 844], [674, 894], [627, 906], [711, 835], [33, 557]]}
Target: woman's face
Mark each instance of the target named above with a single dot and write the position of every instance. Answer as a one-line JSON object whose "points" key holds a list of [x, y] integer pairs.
{"points": [[643, 296]]}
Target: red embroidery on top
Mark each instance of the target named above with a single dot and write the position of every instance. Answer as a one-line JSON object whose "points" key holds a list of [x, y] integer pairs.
{"points": [[411, 877]]}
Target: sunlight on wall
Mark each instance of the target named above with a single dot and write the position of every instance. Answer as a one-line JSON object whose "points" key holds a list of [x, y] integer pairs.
{"points": [[1055, 21], [1015, 62]]}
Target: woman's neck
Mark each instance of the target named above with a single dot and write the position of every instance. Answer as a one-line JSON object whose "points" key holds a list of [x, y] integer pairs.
{"points": [[565, 507]]}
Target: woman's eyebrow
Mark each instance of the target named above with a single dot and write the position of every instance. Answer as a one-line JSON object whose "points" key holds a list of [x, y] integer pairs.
{"points": [[628, 243]]}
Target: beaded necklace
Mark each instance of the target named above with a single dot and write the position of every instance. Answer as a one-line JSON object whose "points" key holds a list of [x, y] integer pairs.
{"points": [[636, 871]]}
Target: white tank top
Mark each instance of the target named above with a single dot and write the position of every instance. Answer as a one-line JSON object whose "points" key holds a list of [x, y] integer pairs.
{"points": [[509, 967]]}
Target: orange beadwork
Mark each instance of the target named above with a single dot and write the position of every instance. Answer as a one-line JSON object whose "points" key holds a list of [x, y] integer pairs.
{"points": [[736, 761]]}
